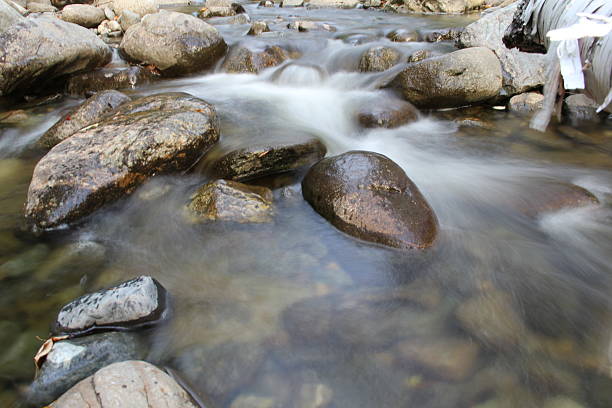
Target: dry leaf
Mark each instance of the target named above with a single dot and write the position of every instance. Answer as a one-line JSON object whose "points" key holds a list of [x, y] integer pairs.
{"points": [[45, 349]]}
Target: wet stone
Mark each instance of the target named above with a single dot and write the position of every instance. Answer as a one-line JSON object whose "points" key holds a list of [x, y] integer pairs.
{"points": [[379, 59], [70, 361], [83, 15], [241, 59], [128, 19], [138, 302], [265, 3], [368, 196], [226, 200], [549, 196], [388, 113], [580, 107], [258, 27], [263, 160], [403, 35], [528, 102], [420, 55], [447, 34], [108, 78], [87, 113]]}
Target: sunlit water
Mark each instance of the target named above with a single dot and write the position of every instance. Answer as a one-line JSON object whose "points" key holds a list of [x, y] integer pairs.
{"points": [[231, 285]]}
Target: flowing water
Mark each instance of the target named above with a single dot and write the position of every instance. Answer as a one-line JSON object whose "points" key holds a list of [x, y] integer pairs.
{"points": [[374, 327]]}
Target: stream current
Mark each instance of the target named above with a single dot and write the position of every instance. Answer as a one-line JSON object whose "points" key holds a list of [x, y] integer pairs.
{"points": [[235, 288]]}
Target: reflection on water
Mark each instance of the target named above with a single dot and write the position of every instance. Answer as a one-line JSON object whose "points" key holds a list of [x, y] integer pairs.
{"points": [[511, 308]]}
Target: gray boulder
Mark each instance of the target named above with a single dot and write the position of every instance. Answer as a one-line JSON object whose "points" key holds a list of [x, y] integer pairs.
{"points": [[140, 7], [258, 27], [241, 59], [522, 71], [134, 384], [8, 16], [70, 361], [460, 78], [127, 19], [379, 58], [437, 6], [137, 302], [368, 196], [61, 49], [333, 3], [175, 43], [87, 113], [87, 83], [83, 15], [158, 134]]}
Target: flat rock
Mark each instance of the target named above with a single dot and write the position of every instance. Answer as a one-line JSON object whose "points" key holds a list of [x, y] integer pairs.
{"points": [[460, 78], [403, 35], [333, 3], [241, 59], [378, 59], [70, 361], [175, 43], [83, 14], [92, 110], [542, 196], [154, 135], [387, 113], [226, 200], [102, 79], [133, 384], [61, 49], [292, 3], [368, 196], [264, 160]]}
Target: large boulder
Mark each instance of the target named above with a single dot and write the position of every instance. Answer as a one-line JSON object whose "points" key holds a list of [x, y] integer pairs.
{"points": [[83, 15], [522, 71], [242, 59], [153, 135], [140, 7], [8, 16], [368, 196], [437, 6], [460, 78], [38, 50], [134, 384], [379, 58], [175, 43], [87, 113]]}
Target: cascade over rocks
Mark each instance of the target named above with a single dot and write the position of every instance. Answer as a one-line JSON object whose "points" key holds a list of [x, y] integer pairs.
{"points": [[61, 48], [241, 59], [154, 135], [175, 43], [368, 196]]}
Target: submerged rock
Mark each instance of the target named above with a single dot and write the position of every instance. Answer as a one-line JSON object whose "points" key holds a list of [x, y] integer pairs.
{"points": [[83, 15], [61, 48], [137, 302], [388, 113], [92, 110], [456, 79], [403, 35], [226, 200], [99, 164], [70, 361], [263, 160], [136, 384], [378, 59], [241, 59], [545, 196], [103, 79], [368, 196], [580, 107], [175, 43]]}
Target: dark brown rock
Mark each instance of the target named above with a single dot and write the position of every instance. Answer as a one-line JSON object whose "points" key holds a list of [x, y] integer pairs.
{"points": [[241, 59], [379, 59], [368, 196], [87, 113], [259, 27], [109, 159], [108, 78], [388, 113], [263, 160], [403, 35], [226, 200]]}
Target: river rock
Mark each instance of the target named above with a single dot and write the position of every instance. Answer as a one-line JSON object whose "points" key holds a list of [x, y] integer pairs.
{"points": [[419, 55], [440, 34], [226, 200], [70, 361], [580, 107], [241, 59], [542, 196], [140, 7], [263, 160], [8, 16], [109, 28], [460, 78], [403, 35], [175, 43], [258, 27], [368, 196], [154, 135], [92, 110], [492, 318], [127, 19], [334, 3], [438, 6], [222, 369], [450, 359], [254, 401], [134, 384], [305, 25], [83, 15], [34, 7], [137, 302], [61, 48], [521, 71], [388, 113], [209, 12], [378, 59], [292, 3], [266, 3], [102, 79], [528, 102]]}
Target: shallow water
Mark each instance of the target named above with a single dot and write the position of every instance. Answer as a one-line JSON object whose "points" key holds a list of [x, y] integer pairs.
{"points": [[235, 288]]}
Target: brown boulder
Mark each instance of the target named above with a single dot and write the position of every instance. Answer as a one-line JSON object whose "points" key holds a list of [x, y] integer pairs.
{"points": [[241, 59], [368, 196], [387, 113]]}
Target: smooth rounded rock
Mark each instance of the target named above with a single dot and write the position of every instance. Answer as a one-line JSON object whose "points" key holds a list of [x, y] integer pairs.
{"points": [[378, 59], [258, 28], [387, 113], [83, 15], [102, 79], [140, 7], [241, 59], [528, 102], [368, 196]]}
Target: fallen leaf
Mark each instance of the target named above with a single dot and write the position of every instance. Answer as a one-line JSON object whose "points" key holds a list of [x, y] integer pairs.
{"points": [[45, 349]]}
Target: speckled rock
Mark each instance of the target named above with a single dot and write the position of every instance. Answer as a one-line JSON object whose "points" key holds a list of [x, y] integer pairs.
{"points": [[579, 107], [437, 6], [137, 302], [378, 59], [241, 59], [403, 35], [34, 7], [305, 25], [226, 200], [127, 19], [175, 43], [216, 11], [8, 16], [158, 134], [83, 15], [263, 160], [92, 110], [292, 3], [140, 7], [460, 78], [387, 113], [258, 28], [368, 196], [528, 102], [102, 79], [333, 3], [70, 361], [134, 384], [61, 48]]}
